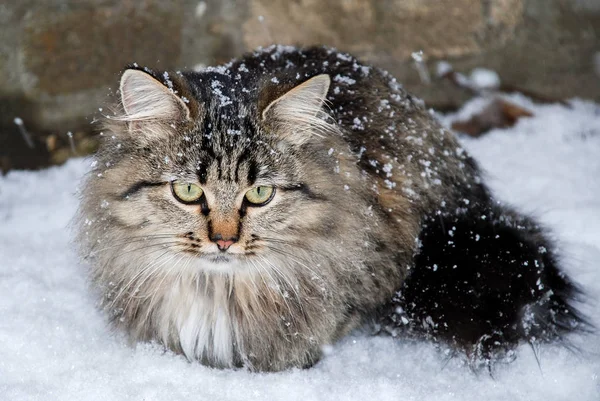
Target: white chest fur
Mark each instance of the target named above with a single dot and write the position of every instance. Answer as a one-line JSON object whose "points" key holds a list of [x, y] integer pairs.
{"points": [[200, 321]]}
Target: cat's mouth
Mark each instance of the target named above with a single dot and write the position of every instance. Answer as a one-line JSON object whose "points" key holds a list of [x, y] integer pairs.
{"points": [[219, 263], [217, 258]]}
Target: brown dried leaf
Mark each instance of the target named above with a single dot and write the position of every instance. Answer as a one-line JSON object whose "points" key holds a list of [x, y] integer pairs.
{"points": [[499, 113]]}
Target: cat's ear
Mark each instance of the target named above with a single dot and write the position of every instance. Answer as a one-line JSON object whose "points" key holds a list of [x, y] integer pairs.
{"points": [[149, 103], [298, 114]]}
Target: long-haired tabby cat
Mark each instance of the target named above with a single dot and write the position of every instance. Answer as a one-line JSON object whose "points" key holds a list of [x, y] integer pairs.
{"points": [[249, 214]]}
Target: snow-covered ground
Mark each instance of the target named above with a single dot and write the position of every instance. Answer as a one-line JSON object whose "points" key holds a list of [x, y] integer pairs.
{"points": [[55, 345]]}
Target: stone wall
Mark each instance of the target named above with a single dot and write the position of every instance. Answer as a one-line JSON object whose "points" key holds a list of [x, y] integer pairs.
{"points": [[60, 59]]}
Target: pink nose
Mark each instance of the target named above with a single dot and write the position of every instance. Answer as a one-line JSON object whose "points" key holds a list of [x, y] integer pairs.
{"points": [[224, 244]]}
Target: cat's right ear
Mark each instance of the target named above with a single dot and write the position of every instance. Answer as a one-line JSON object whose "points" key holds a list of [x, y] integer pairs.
{"points": [[150, 106], [298, 115]]}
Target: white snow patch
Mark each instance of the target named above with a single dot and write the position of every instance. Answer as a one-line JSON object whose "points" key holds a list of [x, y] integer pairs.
{"points": [[344, 79], [483, 78], [443, 68], [200, 9]]}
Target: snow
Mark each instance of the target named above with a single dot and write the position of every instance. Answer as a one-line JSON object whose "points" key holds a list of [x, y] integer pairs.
{"points": [[216, 89], [418, 58], [56, 345], [443, 68], [483, 78], [344, 79], [200, 9]]}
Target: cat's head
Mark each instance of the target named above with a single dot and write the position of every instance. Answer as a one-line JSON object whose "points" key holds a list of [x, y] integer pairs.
{"points": [[205, 173]]}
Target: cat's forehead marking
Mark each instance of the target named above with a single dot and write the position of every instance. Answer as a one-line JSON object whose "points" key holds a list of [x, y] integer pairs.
{"points": [[231, 145], [228, 151]]}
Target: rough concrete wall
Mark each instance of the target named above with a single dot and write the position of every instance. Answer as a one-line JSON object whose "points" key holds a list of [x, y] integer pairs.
{"points": [[60, 58]]}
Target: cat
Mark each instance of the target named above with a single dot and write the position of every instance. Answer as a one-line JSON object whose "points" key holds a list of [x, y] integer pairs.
{"points": [[250, 214]]}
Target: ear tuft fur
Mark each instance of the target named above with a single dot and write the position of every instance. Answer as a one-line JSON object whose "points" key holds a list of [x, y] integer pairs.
{"points": [[147, 101], [299, 113]]}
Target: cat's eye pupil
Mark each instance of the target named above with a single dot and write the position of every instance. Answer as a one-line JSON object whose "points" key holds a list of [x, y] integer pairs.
{"points": [[186, 192], [260, 196]]}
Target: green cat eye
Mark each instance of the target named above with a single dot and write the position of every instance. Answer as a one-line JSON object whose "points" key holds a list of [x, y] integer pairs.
{"points": [[186, 192], [259, 196]]}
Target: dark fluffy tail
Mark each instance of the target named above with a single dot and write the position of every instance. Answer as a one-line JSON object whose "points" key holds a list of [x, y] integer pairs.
{"points": [[484, 280]]}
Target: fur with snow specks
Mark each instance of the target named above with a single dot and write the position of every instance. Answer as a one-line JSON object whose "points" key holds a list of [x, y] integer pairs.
{"points": [[357, 179], [485, 278]]}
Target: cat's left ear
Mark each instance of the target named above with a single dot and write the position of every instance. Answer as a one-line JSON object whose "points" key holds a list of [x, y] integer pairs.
{"points": [[298, 114]]}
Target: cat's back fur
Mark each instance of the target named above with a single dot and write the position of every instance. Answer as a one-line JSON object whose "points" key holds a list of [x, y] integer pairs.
{"points": [[369, 192]]}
